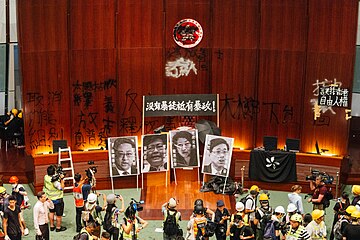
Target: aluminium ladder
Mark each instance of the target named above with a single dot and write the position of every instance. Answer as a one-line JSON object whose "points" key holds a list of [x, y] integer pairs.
{"points": [[66, 162]]}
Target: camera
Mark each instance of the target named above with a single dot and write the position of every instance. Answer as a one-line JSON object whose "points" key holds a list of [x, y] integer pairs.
{"points": [[59, 173], [90, 173], [135, 206], [326, 178]]}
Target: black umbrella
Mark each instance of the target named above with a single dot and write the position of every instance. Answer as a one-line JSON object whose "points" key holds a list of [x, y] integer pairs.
{"points": [[205, 127]]}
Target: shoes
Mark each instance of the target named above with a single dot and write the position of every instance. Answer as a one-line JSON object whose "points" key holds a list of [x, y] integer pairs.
{"points": [[61, 229], [52, 228], [26, 231]]}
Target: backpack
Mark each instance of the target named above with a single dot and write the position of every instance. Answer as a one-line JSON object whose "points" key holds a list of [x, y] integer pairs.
{"points": [[107, 223], [170, 226], [269, 231], [266, 217], [244, 199], [200, 226], [337, 228], [78, 236], [327, 197]]}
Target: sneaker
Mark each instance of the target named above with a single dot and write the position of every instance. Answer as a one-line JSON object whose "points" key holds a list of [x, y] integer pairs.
{"points": [[61, 229], [52, 228], [26, 231]]}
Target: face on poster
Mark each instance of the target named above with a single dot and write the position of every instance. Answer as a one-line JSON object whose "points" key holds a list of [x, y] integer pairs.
{"points": [[217, 155], [154, 153], [123, 156], [184, 148]]}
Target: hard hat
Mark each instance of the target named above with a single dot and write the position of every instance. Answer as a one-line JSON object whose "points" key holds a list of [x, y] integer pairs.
{"points": [[110, 199], [199, 209], [20, 115], [2, 189], [356, 189], [280, 209], [350, 209], [172, 203], [239, 207], [13, 179], [198, 202], [14, 111], [254, 188], [296, 217], [316, 214], [263, 197], [355, 214], [291, 207], [92, 198]]}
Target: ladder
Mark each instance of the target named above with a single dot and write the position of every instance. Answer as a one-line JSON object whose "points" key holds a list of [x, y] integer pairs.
{"points": [[65, 161]]}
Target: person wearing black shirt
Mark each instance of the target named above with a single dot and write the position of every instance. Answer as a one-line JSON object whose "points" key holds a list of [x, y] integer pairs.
{"points": [[221, 217], [339, 210], [11, 222], [237, 228], [352, 231]]}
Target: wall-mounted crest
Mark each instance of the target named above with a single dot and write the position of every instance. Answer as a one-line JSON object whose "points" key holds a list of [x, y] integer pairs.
{"points": [[187, 33]]}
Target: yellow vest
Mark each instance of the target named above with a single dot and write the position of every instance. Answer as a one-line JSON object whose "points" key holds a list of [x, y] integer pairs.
{"points": [[90, 237], [52, 192]]}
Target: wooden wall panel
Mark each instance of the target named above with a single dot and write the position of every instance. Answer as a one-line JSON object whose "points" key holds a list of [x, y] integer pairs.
{"points": [[92, 24], [42, 25], [196, 82], [280, 95], [93, 88], [331, 128], [329, 22], [46, 99]]}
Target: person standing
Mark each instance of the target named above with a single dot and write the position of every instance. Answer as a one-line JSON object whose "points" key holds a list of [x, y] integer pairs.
{"points": [[92, 212], [296, 199], [356, 200], [54, 190], [318, 197], [12, 227], [111, 221], [222, 215], [317, 228], [250, 206], [352, 231], [80, 191], [172, 217], [41, 218], [296, 230], [19, 192]]}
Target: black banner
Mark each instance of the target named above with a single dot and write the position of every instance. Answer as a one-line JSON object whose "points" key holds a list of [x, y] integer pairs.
{"points": [[270, 166], [180, 105]]}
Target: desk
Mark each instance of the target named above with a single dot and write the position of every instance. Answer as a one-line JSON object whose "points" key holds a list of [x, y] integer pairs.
{"points": [[272, 166]]}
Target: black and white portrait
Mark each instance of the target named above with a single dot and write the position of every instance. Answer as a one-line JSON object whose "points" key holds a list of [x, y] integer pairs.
{"points": [[123, 156], [154, 153], [184, 148], [217, 155]]}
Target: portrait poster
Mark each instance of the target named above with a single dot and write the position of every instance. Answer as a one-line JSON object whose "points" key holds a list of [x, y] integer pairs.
{"points": [[154, 152], [184, 148], [217, 155], [123, 156]]}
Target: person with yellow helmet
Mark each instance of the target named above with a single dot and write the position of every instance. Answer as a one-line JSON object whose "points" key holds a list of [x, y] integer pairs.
{"points": [[250, 205], [19, 192], [3, 198], [297, 231], [356, 200], [352, 231], [343, 221], [13, 114], [262, 215], [317, 228]]}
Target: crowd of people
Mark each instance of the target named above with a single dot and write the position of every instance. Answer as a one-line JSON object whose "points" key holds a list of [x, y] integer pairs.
{"points": [[254, 216]]}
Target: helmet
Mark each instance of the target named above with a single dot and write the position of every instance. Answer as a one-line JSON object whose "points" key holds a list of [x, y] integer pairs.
{"points": [[198, 202], [20, 115], [14, 111], [254, 188], [355, 214], [110, 199], [316, 214], [296, 217], [279, 209], [350, 209], [263, 197], [239, 207], [356, 189], [291, 207], [13, 179], [199, 209], [92, 198], [2, 189], [172, 203]]}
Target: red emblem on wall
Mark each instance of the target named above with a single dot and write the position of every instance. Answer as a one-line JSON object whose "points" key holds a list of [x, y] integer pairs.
{"points": [[187, 33]]}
